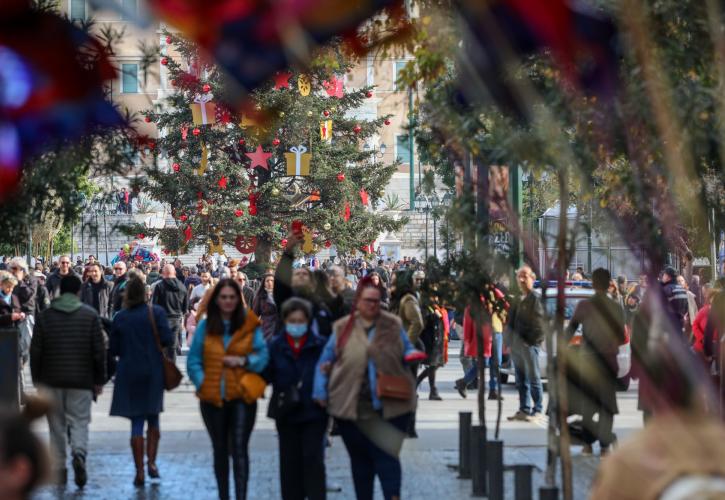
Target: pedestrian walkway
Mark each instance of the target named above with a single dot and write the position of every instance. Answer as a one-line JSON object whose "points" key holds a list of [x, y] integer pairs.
{"points": [[185, 455]]}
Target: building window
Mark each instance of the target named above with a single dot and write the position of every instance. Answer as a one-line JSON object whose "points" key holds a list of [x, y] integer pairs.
{"points": [[129, 9], [78, 10], [399, 65], [402, 149], [129, 78]]}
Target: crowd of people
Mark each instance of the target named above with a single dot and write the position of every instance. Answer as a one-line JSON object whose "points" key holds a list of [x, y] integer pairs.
{"points": [[338, 341]]}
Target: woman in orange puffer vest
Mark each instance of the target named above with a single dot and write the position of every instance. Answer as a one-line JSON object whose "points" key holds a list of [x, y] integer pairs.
{"points": [[225, 359]]}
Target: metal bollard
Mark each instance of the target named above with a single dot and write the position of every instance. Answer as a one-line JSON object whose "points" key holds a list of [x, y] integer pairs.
{"points": [[522, 481], [464, 444], [548, 493], [478, 460], [494, 461], [10, 389]]}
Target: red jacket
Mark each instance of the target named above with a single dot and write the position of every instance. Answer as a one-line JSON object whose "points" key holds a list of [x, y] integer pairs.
{"points": [[698, 329], [469, 336]]}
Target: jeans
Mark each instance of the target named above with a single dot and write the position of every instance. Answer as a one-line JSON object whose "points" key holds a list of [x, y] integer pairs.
{"points": [[230, 427], [68, 421], [176, 324], [495, 360], [367, 461], [137, 424], [302, 460], [528, 377]]}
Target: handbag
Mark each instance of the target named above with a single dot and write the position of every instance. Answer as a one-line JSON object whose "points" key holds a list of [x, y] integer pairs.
{"points": [[394, 387], [284, 402], [172, 374]]}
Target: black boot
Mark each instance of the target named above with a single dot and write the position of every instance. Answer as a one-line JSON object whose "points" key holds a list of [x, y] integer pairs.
{"points": [[433, 396], [79, 470], [461, 387]]}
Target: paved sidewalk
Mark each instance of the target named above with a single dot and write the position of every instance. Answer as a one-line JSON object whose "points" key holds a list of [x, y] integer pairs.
{"points": [[186, 463]]}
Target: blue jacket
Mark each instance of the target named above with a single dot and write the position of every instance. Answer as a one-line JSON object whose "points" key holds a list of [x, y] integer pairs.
{"points": [[139, 383], [328, 356], [285, 371], [256, 361]]}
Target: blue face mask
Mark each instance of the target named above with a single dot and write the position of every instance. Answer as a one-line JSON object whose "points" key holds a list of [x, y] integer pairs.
{"points": [[296, 330]]}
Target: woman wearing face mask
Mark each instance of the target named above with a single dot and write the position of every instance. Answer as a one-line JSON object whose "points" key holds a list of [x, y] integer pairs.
{"points": [[264, 307], [301, 424], [225, 358]]}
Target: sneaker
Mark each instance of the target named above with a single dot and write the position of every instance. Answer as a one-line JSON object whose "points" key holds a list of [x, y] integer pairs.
{"points": [[333, 488], [434, 396], [587, 450], [79, 470], [536, 417], [461, 387], [519, 416], [493, 395]]}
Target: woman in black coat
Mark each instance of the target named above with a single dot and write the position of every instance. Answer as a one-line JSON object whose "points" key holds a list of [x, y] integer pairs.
{"points": [[138, 393], [264, 307], [301, 423]]}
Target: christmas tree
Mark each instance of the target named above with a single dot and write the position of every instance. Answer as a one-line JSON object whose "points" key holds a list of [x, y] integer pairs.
{"points": [[291, 157]]}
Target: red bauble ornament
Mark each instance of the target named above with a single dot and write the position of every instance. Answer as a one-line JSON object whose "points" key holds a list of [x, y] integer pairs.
{"points": [[152, 145], [140, 236], [276, 141], [357, 129], [183, 217], [176, 167], [164, 61], [341, 176], [284, 242], [369, 94], [196, 131], [172, 83], [168, 39], [246, 244], [147, 119], [241, 142], [238, 212], [387, 122], [326, 113], [252, 210], [328, 244], [206, 87]]}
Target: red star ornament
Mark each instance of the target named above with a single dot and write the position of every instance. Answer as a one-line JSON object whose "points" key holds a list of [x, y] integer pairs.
{"points": [[281, 80], [259, 158], [223, 182]]}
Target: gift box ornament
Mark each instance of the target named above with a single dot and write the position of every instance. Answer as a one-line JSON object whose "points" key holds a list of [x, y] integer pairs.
{"points": [[203, 111], [298, 161]]}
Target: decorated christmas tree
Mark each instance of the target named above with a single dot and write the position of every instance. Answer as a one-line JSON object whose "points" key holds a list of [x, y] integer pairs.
{"points": [[290, 157]]}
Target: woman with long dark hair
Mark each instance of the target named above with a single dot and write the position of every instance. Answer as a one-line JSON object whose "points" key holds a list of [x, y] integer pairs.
{"points": [[138, 392], [363, 380], [225, 359], [264, 307], [384, 293]]}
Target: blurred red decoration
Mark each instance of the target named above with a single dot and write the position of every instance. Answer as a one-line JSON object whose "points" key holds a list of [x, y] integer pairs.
{"points": [[187, 234], [140, 236], [275, 141], [326, 113], [168, 39], [281, 80], [196, 131], [147, 119], [357, 129], [364, 197], [223, 182], [347, 213], [369, 94], [246, 244], [172, 83], [259, 158], [335, 87], [328, 244], [238, 212], [176, 167], [284, 242], [241, 142], [152, 145], [206, 87], [341, 177], [164, 61], [252, 210], [183, 217], [387, 122]]}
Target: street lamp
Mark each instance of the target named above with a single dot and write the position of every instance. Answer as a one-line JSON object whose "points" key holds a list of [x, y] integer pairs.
{"points": [[446, 202], [376, 153]]}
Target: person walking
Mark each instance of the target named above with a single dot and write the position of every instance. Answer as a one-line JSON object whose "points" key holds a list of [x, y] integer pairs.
{"points": [[433, 338], [25, 292], [171, 295], [593, 380], [364, 380], [68, 363], [10, 312], [198, 292], [526, 329], [301, 423], [225, 359], [96, 292], [138, 392], [676, 297], [264, 307], [53, 281], [119, 285]]}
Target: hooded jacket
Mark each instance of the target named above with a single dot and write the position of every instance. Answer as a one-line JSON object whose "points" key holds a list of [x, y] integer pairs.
{"points": [[68, 349], [170, 294]]}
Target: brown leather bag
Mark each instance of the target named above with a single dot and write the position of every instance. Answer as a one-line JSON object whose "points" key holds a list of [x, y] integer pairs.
{"points": [[172, 375], [394, 387]]}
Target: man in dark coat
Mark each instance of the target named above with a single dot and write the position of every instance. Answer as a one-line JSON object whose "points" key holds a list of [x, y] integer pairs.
{"points": [[96, 292], [676, 296], [53, 281], [68, 359], [593, 387], [171, 295], [119, 284]]}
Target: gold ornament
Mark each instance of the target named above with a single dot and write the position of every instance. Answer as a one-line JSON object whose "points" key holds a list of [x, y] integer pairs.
{"points": [[327, 226], [275, 192], [307, 241], [281, 114], [382, 193], [304, 85], [309, 114]]}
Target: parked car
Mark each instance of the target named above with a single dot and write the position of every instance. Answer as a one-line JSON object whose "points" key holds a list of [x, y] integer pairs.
{"points": [[573, 294]]}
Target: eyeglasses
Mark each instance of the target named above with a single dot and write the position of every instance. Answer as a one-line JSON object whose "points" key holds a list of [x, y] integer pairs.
{"points": [[371, 301], [118, 269]]}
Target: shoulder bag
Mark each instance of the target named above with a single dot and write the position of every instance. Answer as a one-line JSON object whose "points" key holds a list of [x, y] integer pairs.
{"points": [[172, 374], [394, 387]]}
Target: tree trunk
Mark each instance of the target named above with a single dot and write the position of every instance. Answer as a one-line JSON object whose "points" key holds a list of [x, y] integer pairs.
{"points": [[263, 252]]}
